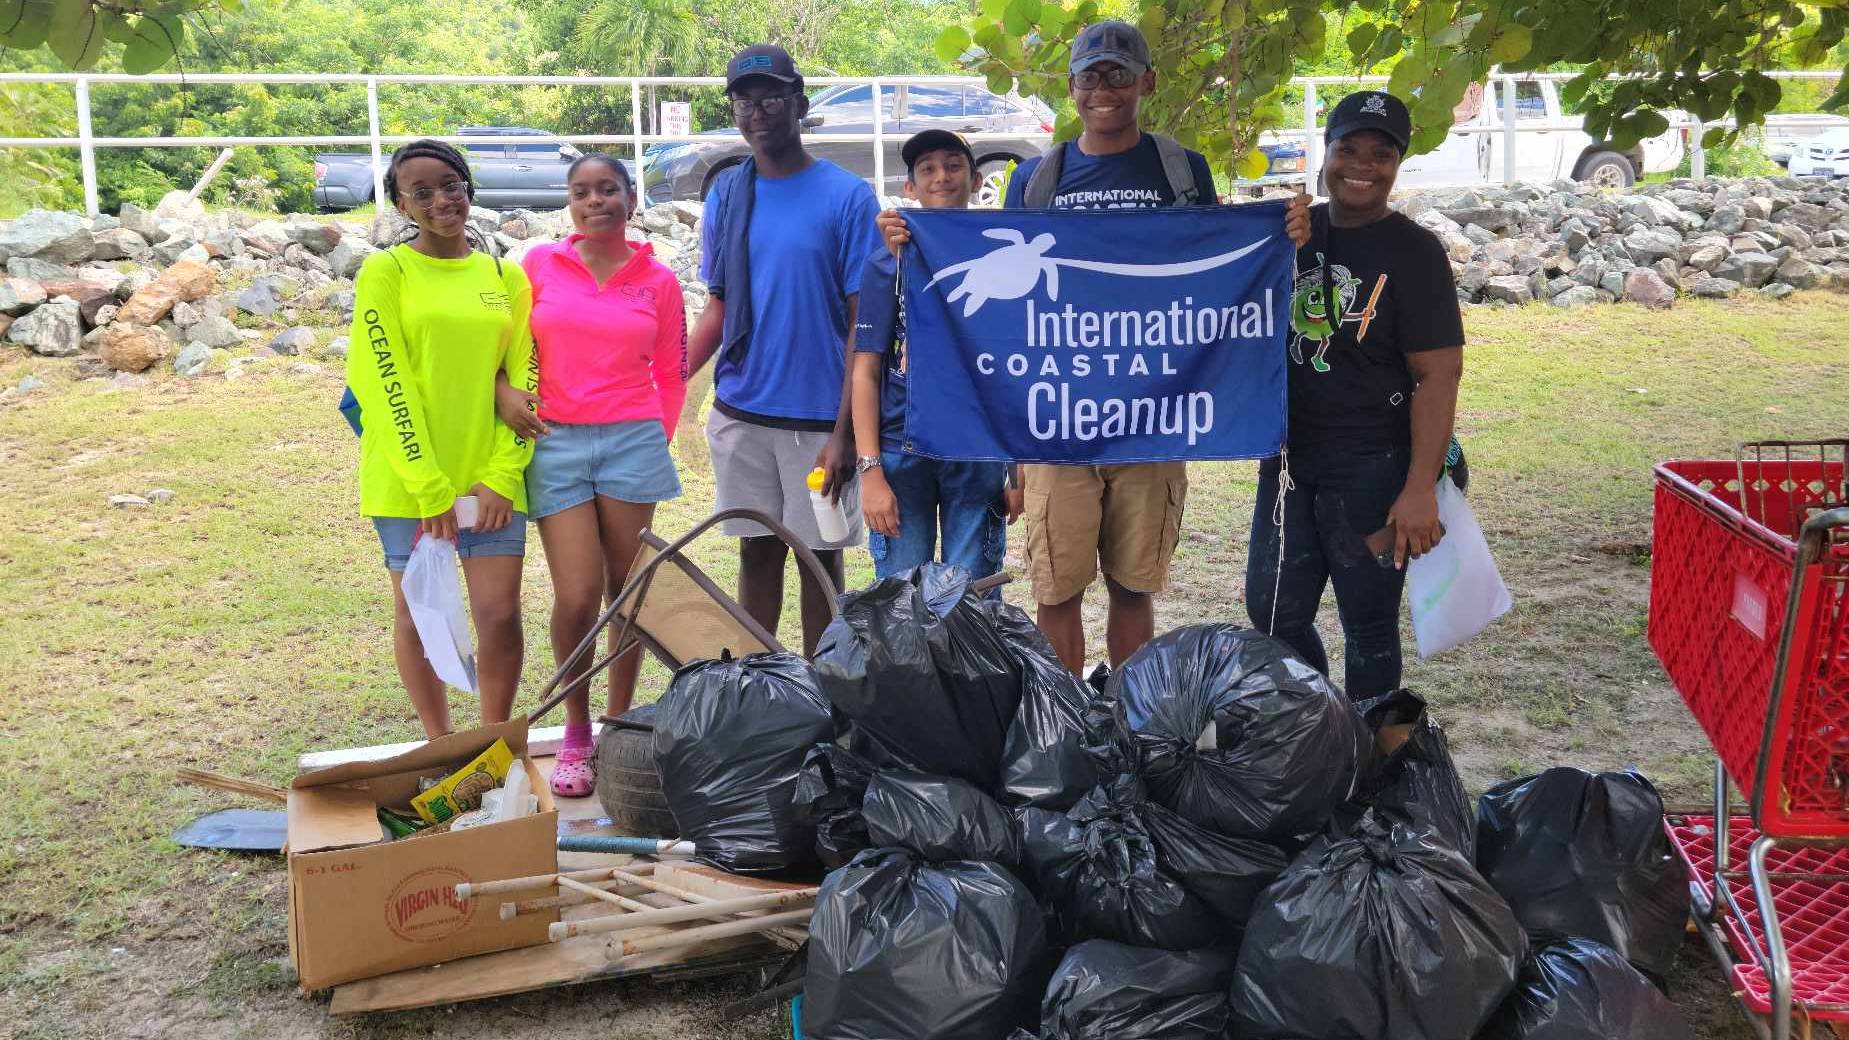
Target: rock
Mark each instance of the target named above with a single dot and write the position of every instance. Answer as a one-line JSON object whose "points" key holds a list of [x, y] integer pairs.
{"points": [[687, 213], [293, 341], [1478, 234], [140, 221], [37, 270], [89, 296], [169, 250], [53, 329], [1758, 207], [1800, 273], [104, 315], [1457, 247], [54, 237], [1648, 245], [89, 366], [1577, 296], [1778, 290], [185, 315], [224, 243], [488, 220], [1509, 289], [1647, 287], [128, 380], [1713, 288], [1794, 237], [193, 361], [516, 229], [262, 297], [121, 244], [657, 220], [1708, 257], [216, 331], [336, 348], [1809, 216], [196, 253], [1652, 210], [29, 384], [132, 348], [297, 255], [1574, 234], [1752, 269], [387, 229], [347, 256], [312, 235], [19, 295], [159, 495], [1727, 220], [341, 301], [176, 205], [128, 501], [184, 281]]}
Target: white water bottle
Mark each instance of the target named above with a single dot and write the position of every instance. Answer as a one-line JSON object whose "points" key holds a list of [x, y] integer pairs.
{"points": [[830, 518]]}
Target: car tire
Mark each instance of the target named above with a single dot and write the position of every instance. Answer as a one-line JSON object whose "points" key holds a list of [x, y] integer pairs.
{"points": [[1607, 169], [706, 186], [627, 783], [991, 174]]}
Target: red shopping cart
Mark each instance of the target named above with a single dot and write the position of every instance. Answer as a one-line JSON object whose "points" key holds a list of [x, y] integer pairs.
{"points": [[1749, 614]]}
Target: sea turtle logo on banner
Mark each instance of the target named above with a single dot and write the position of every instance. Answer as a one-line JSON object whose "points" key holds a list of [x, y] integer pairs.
{"points": [[1013, 271]]}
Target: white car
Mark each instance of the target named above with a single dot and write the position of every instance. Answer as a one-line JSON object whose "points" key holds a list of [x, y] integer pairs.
{"points": [[1826, 155], [1549, 145]]}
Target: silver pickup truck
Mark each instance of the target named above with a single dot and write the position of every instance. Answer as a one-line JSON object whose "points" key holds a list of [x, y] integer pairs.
{"points": [[529, 174]]}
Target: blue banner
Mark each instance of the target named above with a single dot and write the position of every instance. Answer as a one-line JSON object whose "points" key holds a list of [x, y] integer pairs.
{"points": [[1097, 336]]}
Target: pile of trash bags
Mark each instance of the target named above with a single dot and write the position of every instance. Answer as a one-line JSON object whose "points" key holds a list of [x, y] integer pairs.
{"points": [[1212, 842]]}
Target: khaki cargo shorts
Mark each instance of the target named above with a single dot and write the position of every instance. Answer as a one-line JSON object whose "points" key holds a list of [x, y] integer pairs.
{"points": [[1124, 520]]}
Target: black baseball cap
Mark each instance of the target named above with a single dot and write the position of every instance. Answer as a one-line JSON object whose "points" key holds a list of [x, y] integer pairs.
{"points": [[934, 141], [763, 59], [1371, 110], [1112, 40]]}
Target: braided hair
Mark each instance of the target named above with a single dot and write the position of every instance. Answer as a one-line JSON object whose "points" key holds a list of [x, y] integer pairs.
{"points": [[616, 166], [445, 153]]}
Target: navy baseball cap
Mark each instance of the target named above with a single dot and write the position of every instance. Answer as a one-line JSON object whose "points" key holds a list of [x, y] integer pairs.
{"points": [[1371, 110], [1115, 41], [763, 59], [934, 141]]}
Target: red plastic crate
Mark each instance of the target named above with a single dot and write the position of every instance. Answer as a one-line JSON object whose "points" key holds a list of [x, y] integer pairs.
{"points": [[1720, 583], [1813, 914]]}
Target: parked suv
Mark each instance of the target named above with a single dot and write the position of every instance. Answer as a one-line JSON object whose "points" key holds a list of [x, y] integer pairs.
{"points": [[530, 174], [685, 170]]}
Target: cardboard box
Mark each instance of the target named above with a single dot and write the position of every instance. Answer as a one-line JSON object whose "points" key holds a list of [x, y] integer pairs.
{"points": [[361, 906]]}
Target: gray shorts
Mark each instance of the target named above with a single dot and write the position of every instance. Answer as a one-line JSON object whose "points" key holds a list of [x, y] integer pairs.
{"points": [[767, 469]]}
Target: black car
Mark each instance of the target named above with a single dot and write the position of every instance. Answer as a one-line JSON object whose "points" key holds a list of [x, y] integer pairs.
{"points": [[686, 170]]}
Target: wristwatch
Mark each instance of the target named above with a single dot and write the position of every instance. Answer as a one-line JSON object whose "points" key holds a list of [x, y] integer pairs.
{"points": [[863, 463]]}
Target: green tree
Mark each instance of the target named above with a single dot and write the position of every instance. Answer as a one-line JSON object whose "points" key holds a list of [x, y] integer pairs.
{"points": [[141, 34]]}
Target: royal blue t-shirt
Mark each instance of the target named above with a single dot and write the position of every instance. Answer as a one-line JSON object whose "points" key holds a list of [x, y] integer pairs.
{"points": [[810, 236], [1121, 180], [880, 329]]}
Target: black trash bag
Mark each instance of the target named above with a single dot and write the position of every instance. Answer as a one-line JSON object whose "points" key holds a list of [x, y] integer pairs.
{"points": [[1108, 991], [1386, 934], [1414, 780], [1583, 990], [1228, 874], [1583, 856], [940, 819], [730, 737], [921, 676], [1237, 734], [902, 948], [1044, 758], [1098, 867], [829, 792]]}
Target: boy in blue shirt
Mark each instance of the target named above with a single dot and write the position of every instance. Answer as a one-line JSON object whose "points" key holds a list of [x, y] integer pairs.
{"points": [[909, 500], [783, 243]]}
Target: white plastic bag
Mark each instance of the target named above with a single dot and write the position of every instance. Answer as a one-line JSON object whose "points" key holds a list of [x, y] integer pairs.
{"points": [[433, 590], [1455, 589]]}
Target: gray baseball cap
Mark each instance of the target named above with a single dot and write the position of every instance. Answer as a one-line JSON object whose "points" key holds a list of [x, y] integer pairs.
{"points": [[1115, 41]]}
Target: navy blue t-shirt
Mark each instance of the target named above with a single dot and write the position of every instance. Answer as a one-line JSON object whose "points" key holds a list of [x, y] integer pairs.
{"points": [[1122, 180], [880, 329], [810, 236]]}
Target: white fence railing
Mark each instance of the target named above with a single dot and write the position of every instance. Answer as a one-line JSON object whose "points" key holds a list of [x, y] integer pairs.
{"points": [[86, 142]]}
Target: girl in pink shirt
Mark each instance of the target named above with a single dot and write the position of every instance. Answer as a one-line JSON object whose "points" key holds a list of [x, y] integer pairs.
{"points": [[612, 348]]}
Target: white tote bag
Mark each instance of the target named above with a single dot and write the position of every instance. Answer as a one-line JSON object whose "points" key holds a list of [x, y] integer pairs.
{"points": [[1455, 589], [433, 590]]}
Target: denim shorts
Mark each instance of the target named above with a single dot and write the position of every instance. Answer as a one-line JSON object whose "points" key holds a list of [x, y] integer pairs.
{"points": [[626, 461], [398, 533]]}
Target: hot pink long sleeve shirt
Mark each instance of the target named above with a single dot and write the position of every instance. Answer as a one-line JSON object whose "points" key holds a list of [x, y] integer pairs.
{"points": [[610, 353]]}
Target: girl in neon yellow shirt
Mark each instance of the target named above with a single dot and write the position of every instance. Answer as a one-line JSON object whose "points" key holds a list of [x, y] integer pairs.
{"points": [[433, 321]]}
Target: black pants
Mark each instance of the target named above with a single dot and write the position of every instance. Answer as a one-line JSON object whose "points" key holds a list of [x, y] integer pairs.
{"points": [[1340, 498]]}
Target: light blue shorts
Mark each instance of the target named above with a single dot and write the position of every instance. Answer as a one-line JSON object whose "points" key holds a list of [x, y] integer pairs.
{"points": [[398, 533], [626, 461]]}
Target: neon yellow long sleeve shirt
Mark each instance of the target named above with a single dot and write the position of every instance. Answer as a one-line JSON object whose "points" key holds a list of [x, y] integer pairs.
{"points": [[428, 336]]}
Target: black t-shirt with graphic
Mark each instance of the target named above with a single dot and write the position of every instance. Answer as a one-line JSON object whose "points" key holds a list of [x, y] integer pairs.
{"points": [[1397, 298]]}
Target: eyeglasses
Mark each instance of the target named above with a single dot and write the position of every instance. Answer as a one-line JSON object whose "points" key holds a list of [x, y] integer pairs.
{"points": [[770, 106], [450, 189], [1117, 78]]}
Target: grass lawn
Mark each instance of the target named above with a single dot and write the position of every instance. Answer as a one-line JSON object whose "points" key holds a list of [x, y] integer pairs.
{"points": [[247, 621]]}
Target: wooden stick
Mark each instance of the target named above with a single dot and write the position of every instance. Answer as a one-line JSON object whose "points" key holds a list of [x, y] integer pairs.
{"points": [[786, 935], [509, 911], [674, 915], [206, 778], [694, 936], [520, 884]]}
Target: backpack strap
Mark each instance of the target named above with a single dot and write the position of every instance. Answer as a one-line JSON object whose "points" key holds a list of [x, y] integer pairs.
{"points": [[1178, 170], [1044, 183]]}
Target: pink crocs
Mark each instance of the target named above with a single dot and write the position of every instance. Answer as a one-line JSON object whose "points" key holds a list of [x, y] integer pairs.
{"points": [[573, 773]]}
